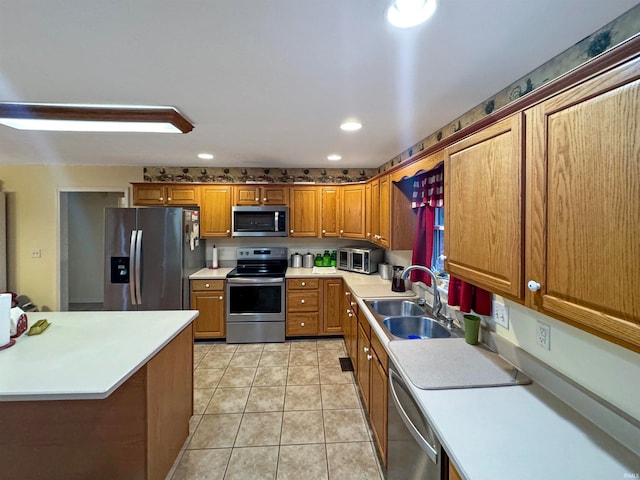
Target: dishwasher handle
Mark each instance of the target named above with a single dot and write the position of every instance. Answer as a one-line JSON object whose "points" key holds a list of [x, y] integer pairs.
{"points": [[429, 449]]}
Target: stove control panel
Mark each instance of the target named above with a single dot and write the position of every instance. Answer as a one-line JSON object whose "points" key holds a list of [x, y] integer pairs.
{"points": [[261, 253]]}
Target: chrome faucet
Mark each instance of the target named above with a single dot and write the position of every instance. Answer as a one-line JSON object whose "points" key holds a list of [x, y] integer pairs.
{"points": [[436, 308]]}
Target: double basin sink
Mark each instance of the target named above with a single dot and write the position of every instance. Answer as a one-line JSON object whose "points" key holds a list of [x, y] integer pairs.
{"points": [[406, 319]]}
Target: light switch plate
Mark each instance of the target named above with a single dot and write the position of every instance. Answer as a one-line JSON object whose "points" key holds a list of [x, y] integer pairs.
{"points": [[500, 314]]}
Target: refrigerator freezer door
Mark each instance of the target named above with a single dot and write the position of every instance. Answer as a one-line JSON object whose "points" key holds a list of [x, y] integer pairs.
{"points": [[120, 223], [160, 258]]}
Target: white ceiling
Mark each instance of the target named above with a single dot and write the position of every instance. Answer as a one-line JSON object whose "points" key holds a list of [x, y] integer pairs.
{"points": [[267, 82]]}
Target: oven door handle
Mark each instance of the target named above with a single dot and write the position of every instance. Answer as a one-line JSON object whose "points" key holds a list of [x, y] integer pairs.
{"points": [[254, 280], [426, 446]]}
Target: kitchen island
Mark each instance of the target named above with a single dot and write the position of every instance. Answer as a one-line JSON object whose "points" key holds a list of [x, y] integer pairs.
{"points": [[97, 395]]}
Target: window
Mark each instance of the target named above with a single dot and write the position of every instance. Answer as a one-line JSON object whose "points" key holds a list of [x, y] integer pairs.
{"points": [[437, 255]]}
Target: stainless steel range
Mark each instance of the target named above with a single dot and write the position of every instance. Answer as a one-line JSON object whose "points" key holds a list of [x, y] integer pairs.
{"points": [[256, 296]]}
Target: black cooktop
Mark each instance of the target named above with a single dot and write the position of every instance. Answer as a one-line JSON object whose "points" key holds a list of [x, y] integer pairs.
{"points": [[275, 269]]}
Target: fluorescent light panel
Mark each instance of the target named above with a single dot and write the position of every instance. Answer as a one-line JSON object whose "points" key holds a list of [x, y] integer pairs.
{"points": [[93, 118]]}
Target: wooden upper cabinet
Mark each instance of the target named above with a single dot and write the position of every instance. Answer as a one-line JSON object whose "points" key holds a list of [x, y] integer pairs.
{"points": [[367, 209], [352, 216], [583, 209], [215, 211], [484, 208], [329, 211], [384, 227], [152, 194], [375, 211], [260, 195], [304, 212]]}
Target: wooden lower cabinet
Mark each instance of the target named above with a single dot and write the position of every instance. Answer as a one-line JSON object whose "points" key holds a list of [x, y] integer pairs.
{"points": [[332, 312], [207, 296], [350, 327], [453, 473], [373, 381], [304, 306]]}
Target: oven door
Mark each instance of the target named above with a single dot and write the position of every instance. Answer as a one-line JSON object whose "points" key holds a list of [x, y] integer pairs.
{"points": [[256, 299], [344, 260], [360, 261]]}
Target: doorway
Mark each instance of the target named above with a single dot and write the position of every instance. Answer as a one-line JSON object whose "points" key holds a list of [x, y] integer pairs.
{"points": [[81, 221]]}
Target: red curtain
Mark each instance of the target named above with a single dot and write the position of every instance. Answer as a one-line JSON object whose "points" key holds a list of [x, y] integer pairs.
{"points": [[468, 297], [427, 194]]}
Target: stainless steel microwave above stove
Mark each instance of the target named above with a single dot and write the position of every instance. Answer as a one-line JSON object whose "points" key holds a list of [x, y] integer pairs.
{"points": [[260, 221], [359, 259], [256, 296]]}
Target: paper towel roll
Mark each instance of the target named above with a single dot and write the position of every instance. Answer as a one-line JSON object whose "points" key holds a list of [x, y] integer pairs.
{"points": [[214, 258], [5, 318]]}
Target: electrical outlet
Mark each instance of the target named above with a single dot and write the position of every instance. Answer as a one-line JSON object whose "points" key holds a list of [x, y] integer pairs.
{"points": [[36, 253], [501, 314], [543, 335]]}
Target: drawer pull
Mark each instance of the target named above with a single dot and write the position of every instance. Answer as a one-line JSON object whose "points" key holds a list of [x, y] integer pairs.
{"points": [[366, 349], [302, 301], [303, 283], [206, 285], [302, 324], [369, 357]]}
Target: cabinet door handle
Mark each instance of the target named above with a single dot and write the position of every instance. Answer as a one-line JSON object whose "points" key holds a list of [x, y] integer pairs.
{"points": [[347, 293], [257, 199], [161, 199], [228, 231], [341, 231], [302, 301], [368, 234], [303, 283], [220, 297], [533, 285], [324, 231], [264, 199], [352, 303], [369, 357], [302, 324], [168, 199], [290, 231], [366, 349]]}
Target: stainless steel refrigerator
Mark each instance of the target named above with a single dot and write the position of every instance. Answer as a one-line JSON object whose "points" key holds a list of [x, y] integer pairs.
{"points": [[149, 255]]}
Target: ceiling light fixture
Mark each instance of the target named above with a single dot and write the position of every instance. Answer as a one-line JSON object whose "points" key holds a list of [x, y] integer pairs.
{"points": [[205, 156], [93, 118], [409, 13], [350, 126], [334, 157]]}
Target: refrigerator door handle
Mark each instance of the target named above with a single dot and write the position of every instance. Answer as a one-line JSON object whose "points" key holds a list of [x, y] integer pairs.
{"points": [[138, 269], [132, 269]]}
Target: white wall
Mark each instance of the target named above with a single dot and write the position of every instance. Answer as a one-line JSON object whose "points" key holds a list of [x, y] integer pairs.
{"points": [[86, 243]]}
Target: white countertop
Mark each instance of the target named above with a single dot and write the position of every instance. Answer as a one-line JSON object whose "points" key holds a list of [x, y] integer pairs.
{"points": [[211, 273], [521, 432], [85, 355]]}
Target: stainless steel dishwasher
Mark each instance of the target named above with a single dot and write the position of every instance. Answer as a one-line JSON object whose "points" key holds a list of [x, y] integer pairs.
{"points": [[414, 451]]}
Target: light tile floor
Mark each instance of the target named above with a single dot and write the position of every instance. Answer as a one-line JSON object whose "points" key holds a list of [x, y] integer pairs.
{"points": [[276, 411]]}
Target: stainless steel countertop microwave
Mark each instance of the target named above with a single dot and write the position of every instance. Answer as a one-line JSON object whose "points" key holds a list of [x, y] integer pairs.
{"points": [[271, 221]]}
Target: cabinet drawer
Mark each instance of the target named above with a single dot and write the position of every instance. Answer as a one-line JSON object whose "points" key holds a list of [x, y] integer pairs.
{"points": [[350, 302], [303, 301], [303, 283], [364, 324], [302, 323], [205, 285]]}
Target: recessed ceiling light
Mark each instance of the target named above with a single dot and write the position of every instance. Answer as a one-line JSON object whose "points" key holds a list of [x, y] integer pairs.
{"points": [[350, 126], [205, 156], [333, 157], [409, 13], [93, 118]]}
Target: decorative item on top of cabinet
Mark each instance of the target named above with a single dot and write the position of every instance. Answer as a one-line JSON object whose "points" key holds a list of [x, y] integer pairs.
{"points": [[215, 211], [261, 195], [304, 306], [583, 206], [207, 296], [303, 211], [329, 211], [154, 194], [352, 217], [484, 208]]}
